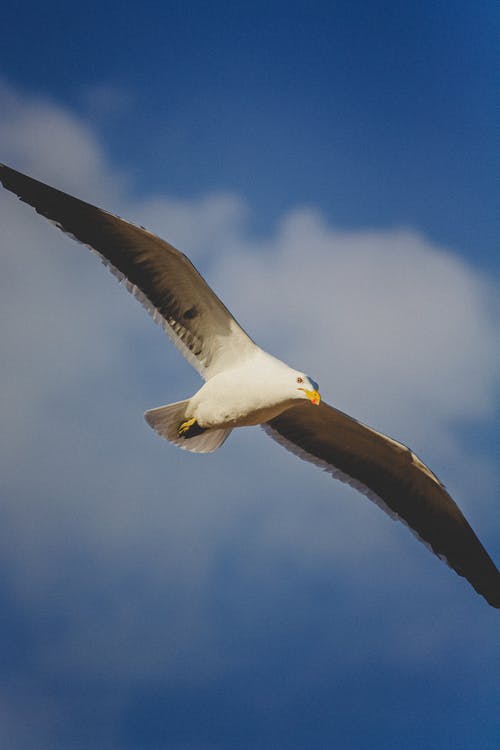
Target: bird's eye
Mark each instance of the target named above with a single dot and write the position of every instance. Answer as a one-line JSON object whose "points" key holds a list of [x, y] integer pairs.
{"points": [[300, 380]]}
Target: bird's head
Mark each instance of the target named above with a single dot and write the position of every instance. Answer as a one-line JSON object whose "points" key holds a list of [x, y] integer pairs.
{"points": [[307, 388]]}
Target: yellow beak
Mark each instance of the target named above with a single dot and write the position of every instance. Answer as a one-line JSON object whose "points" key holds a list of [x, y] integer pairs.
{"points": [[313, 396]]}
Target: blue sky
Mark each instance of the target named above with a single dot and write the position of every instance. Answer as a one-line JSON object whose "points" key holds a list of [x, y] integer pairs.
{"points": [[333, 172]]}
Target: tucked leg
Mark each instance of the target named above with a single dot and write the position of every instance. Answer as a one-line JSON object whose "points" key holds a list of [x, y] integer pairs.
{"points": [[190, 428]]}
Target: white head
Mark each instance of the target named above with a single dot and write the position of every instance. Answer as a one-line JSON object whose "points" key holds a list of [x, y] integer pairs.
{"points": [[306, 387], [281, 382]]}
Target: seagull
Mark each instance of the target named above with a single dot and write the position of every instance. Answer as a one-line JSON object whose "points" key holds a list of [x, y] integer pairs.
{"points": [[244, 385]]}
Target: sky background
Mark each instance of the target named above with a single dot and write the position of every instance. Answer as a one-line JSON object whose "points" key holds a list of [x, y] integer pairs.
{"points": [[332, 170]]}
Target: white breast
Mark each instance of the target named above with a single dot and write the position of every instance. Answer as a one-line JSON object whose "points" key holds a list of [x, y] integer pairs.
{"points": [[251, 393]]}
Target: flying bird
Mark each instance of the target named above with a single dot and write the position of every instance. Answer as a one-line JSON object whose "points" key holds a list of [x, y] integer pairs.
{"points": [[244, 385]]}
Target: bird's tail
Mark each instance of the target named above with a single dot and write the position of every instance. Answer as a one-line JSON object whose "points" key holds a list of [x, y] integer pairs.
{"points": [[166, 420]]}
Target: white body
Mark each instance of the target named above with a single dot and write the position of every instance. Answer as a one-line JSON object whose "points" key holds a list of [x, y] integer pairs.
{"points": [[254, 389], [251, 392]]}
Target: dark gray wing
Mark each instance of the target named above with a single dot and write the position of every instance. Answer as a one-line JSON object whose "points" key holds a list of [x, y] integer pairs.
{"points": [[161, 277], [391, 475]]}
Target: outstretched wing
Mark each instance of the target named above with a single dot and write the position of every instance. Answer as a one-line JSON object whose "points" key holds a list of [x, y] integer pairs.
{"points": [[162, 278], [394, 477]]}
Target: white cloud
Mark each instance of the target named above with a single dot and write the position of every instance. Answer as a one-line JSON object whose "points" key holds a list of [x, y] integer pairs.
{"points": [[46, 139], [400, 332]]}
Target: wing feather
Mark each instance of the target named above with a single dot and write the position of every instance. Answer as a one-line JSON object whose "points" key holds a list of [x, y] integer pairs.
{"points": [[395, 478], [162, 278]]}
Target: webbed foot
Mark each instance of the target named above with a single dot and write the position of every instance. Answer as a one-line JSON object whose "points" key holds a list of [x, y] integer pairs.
{"points": [[190, 428]]}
